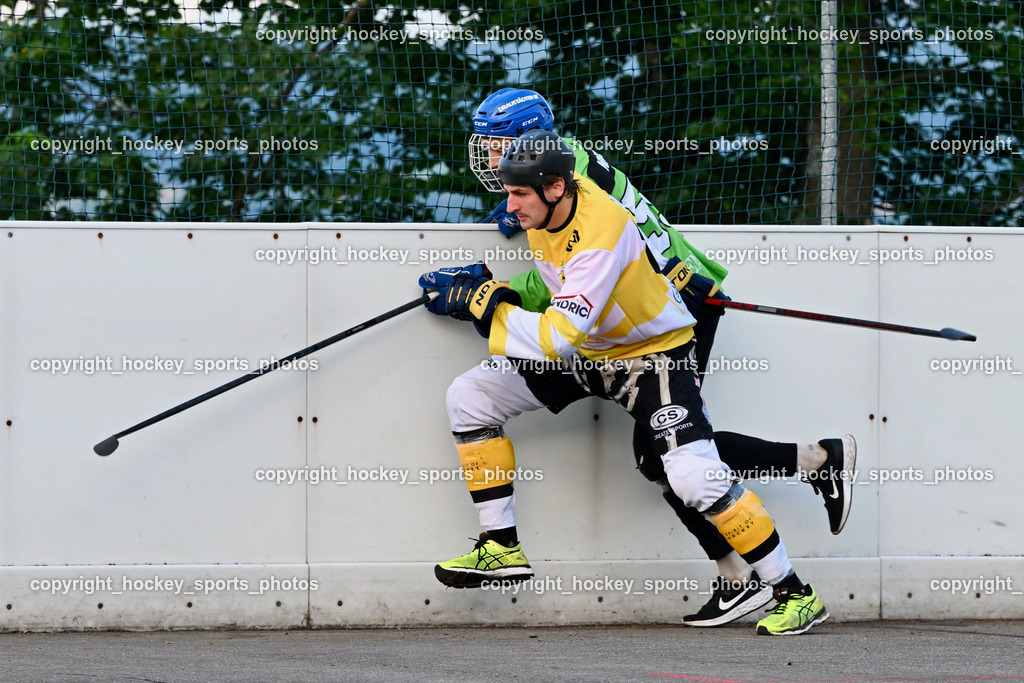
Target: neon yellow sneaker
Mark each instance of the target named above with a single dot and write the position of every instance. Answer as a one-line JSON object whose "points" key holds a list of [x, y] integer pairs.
{"points": [[489, 562], [794, 613]]}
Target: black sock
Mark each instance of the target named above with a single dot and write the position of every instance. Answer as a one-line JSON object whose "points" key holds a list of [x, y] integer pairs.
{"points": [[507, 537], [794, 584], [753, 458]]}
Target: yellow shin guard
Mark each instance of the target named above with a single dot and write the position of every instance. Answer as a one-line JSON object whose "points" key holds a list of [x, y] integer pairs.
{"points": [[487, 464], [746, 524]]}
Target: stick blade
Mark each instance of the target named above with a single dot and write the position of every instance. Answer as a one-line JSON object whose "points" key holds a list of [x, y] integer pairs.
{"points": [[106, 447], [956, 335]]}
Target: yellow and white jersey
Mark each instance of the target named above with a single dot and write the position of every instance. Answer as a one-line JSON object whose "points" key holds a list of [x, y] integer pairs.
{"points": [[607, 299]]}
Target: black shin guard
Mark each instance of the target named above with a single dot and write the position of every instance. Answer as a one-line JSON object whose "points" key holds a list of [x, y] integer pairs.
{"points": [[697, 524]]}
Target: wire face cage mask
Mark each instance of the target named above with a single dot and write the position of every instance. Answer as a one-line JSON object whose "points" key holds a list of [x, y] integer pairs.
{"points": [[484, 153]]}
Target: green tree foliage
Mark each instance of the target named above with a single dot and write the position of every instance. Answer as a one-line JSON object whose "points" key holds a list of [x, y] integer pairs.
{"points": [[363, 121], [268, 130], [963, 83]]}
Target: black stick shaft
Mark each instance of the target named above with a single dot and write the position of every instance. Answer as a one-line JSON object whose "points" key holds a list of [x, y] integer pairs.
{"points": [[270, 367], [945, 333]]}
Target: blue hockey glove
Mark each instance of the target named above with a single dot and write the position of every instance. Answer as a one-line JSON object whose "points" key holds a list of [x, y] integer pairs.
{"points": [[508, 223], [438, 280]]}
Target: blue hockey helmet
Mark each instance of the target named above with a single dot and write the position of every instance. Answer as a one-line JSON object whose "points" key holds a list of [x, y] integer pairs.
{"points": [[499, 119], [510, 112]]}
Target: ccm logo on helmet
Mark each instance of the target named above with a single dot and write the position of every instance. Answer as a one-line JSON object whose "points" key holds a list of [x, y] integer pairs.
{"points": [[669, 416], [577, 305]]}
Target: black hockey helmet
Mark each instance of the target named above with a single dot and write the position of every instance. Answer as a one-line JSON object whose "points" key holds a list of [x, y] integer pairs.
{"points": [[532, 156]]}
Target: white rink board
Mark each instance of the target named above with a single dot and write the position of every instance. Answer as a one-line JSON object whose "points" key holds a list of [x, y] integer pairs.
{"points": [[182, 501]]}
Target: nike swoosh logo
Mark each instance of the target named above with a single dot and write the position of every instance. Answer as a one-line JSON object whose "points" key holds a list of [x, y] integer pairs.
{"points": [[835, 491], [726, 606]]}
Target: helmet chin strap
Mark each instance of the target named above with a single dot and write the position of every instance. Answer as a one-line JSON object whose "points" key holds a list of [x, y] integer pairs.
{"points": [[539, 189]]}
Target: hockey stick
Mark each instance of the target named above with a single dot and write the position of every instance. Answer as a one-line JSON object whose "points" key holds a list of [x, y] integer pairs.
{"points": [[945, 332], [108, 446]]}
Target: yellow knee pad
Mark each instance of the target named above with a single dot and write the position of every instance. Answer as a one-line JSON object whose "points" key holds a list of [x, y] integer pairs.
{"points": [[746, 524], [487, 464]]}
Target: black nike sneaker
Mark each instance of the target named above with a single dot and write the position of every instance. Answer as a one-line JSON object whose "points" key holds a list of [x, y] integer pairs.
{"points": [[834, 479], [730, 601]]}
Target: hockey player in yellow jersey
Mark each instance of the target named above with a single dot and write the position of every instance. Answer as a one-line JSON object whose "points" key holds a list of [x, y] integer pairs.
{"points": [[616, 329], [598, 256]]}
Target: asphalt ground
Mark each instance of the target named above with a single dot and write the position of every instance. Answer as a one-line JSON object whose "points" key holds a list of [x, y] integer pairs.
{"points": [[833, 653]]}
